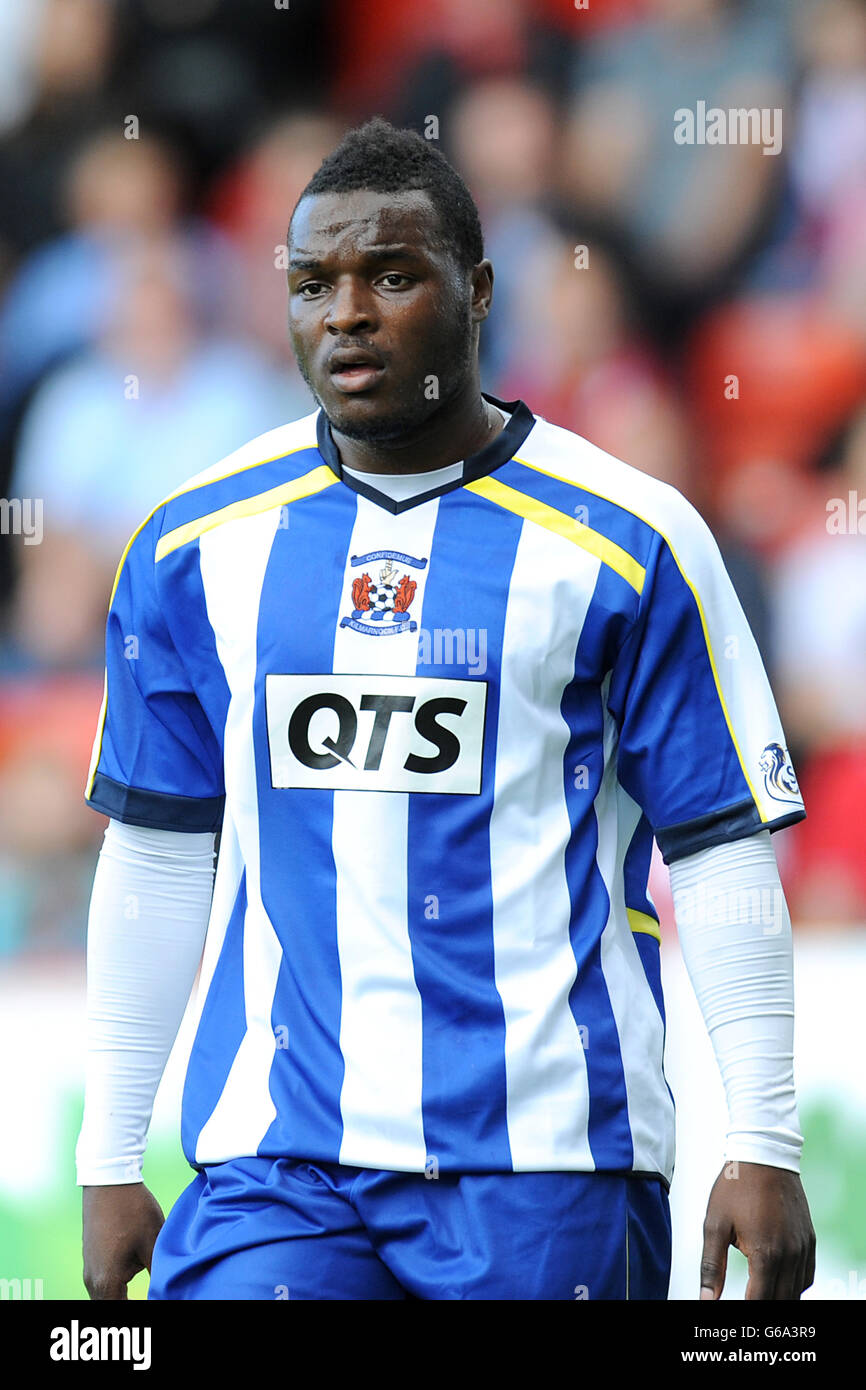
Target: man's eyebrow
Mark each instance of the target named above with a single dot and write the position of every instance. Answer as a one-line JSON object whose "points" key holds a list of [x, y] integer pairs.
{"points": [[397, 251]]}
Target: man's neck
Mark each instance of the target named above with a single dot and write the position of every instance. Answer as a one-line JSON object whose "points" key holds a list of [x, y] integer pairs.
{"points": [[446, 437]]}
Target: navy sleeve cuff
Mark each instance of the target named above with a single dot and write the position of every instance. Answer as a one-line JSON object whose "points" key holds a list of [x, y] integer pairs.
{"points": [[718, 828], [156, 810]]}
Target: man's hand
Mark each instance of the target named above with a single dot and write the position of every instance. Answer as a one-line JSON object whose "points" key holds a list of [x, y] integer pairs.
{"points": [[763, 1212], [121, 1224]]}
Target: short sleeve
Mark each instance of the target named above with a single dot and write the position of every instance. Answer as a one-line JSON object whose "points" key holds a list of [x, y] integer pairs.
{"points": [[701, 748], [156, 759]]}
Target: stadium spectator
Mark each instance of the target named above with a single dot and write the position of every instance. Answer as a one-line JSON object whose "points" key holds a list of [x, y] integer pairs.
{"points": [[58, 300], [413, 59], [694, 211], [581, 361], [110, 434], [828, 150], [502, 136], [69, 72]]}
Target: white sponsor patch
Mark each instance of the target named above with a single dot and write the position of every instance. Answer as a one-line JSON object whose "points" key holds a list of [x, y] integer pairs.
{"points": [[376, 733]]}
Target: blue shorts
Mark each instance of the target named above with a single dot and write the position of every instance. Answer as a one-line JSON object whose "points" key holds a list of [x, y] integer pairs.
{"points": [[264, 1228]]}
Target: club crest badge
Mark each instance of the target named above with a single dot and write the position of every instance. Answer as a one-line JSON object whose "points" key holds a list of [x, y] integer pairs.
{"points": [[382, 593], [779, 777]]}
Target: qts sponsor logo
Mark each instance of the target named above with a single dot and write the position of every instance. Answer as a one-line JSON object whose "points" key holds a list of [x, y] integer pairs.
{"points": [[376, 733]]}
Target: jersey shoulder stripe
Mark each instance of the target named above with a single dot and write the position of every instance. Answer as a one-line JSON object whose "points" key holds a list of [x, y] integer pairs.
{"points": [[660, 510], [257, 467], [572, 528], [280, 495]]}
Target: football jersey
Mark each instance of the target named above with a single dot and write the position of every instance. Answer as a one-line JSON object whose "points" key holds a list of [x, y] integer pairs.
{"points": [[438, 736]]}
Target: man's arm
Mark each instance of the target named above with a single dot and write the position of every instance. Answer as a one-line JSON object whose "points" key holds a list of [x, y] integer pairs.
{"points": [[148, 918], [735, 934]]}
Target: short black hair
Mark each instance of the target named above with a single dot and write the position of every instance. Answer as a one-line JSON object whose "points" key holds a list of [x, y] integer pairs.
{"points": [[384, 159]]}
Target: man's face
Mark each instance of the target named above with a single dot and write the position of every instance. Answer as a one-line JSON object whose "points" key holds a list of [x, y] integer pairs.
{"points": [[371, 281]]}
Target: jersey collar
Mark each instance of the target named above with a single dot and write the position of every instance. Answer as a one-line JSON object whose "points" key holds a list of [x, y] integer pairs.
{"points": [[500, 449]]}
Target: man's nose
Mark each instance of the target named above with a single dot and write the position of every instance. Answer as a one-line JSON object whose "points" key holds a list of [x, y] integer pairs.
{"points": [[350, 309]]}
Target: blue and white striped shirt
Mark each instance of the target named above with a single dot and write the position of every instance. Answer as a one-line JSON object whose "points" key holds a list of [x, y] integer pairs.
{"points": [[438, 736]]}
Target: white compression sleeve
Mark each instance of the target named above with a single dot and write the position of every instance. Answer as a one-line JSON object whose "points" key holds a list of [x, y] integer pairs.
{"points": [[735, 934], [148, 917]]}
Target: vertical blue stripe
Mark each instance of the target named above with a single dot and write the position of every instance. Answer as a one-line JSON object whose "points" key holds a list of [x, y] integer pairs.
{"points": [[650, 958], [450, 902], [194, 637], [220, 1031], [168, 695], [609, 1132], [297, 621], [636, 868]]}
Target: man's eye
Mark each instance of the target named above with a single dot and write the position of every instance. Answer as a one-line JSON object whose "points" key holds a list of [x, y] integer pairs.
{"points": [[310, 288], [395, 275]]}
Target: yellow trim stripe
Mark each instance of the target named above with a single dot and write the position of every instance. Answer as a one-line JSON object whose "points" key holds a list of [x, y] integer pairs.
{"points": [[100, 725], [305, 486], [641, 921], [179, 492], [571, 483], [531, 509]]}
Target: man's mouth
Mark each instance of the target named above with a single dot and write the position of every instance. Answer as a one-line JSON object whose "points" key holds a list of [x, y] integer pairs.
{"points": [[358, 378], [354, 370]]}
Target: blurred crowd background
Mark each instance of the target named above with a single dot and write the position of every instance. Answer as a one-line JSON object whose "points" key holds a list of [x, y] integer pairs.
{"points": [[713, 334]]}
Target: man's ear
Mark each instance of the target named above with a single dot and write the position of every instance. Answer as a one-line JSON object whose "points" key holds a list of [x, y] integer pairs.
{"points": [[482, 290]]}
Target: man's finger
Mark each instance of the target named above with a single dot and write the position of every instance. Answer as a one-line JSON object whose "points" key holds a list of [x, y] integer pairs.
{"points": [[764, 1270], [801, 1285], [804, 1279], [798, 1282], [714, 1262]]}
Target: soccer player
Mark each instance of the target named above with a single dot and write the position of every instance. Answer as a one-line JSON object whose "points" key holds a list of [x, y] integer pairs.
{"points": [[438, 671]]}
